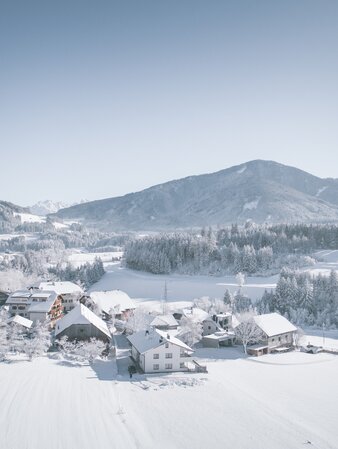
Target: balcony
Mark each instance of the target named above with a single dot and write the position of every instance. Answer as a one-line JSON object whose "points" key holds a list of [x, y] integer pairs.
{"points": [[184, 355]]}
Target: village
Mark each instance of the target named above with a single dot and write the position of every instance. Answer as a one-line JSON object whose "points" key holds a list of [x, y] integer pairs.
{"points": [[67, 319]]}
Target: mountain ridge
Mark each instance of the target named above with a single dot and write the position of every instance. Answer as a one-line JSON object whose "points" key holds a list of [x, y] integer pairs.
{"points": [[258, 190]]}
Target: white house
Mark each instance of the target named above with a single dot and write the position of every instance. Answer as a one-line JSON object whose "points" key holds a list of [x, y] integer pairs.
{"points": [[69, 292], [116, 300], [278, 334], [82, 324], [158, 351]]}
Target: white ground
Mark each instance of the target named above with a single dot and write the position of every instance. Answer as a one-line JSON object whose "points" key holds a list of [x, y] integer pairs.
{"points": [[270, 402], [147, 286], [80, 258]]}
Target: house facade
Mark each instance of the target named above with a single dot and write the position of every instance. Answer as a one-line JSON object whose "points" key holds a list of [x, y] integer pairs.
{"points": [[82, 324], [277, 334], [158, 351], [69, 292], [36, 305]]}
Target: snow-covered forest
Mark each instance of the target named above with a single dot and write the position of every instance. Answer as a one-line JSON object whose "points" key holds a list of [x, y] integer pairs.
{"points": [[304, 299], [252, 249]]}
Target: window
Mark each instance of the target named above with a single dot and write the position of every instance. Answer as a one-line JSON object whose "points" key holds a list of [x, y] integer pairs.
{"points": [[168, 366], [182, 365], [156, 356], [156, 367], [21, 307], [209, 327], [14, 307], [168, 355], [167, 345], [279, 338]]}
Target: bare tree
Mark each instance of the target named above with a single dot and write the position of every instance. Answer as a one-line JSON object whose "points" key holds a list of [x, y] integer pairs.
{"points": [[247, 330]]}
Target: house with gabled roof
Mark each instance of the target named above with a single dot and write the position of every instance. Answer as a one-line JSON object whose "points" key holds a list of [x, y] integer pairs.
{"points": [[159, 351], [82, 324], [278, 334]]}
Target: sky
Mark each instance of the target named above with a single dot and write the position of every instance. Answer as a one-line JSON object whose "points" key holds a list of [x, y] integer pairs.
{"points": [[102, 98]]}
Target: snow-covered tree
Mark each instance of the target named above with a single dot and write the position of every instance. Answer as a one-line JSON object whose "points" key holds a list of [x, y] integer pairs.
{"points": [[191, 330], [40, 340], [247, 331]]}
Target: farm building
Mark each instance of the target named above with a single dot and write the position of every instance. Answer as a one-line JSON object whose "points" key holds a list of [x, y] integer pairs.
{"points": [[82, 324], [278, 334]]}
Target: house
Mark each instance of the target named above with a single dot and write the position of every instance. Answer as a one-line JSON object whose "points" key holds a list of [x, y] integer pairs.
{"points": [[69, 292], [158, 351], [82, 324], [278, 334], [164, 322], [35, 305], [116, 300]]}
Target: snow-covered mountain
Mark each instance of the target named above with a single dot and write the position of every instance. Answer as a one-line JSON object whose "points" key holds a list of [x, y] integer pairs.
{"points": [[50, 207], [258, 190]]}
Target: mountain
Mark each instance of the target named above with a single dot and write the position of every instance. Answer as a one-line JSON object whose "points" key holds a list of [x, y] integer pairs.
{"points": [[9, 216], [264, 191], [50, 207]]}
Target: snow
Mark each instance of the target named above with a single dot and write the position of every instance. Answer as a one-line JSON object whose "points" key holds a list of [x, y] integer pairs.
{"points": [[29, 218], [154, 339], [251, 205], [276, 401], [274, 324], [320, 191], [164, 320], [21, 320], [61, 288], [198, 315], [147, 286], [78, 258], [242, 170], [81, 315], [58, 225], [107, 300]]}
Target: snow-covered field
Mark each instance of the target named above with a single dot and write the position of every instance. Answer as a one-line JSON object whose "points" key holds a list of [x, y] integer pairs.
{"points": [[149, 286], [279, 401], [180, 287], [80, 258]]}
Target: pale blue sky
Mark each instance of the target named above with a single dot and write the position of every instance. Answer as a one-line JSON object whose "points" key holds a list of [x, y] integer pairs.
{"points": [[101, 98]]}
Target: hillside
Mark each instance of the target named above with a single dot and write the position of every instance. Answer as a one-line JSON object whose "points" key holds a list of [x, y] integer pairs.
{"points": [[9, 216], [258, 190]]}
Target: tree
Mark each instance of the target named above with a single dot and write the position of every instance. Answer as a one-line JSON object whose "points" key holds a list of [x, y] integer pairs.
{"points": [[40, 340], [191, 330], [3, 334], [247, 330]]}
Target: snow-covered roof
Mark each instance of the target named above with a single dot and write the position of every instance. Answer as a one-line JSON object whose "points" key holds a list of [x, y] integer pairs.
{"points": [[81, 315], [18, 319], [61, 288], [19, 294], [144, 342], [112, 299], [274, 324], [164, 320], [42, 301], [220, 336], [197, 314]]}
